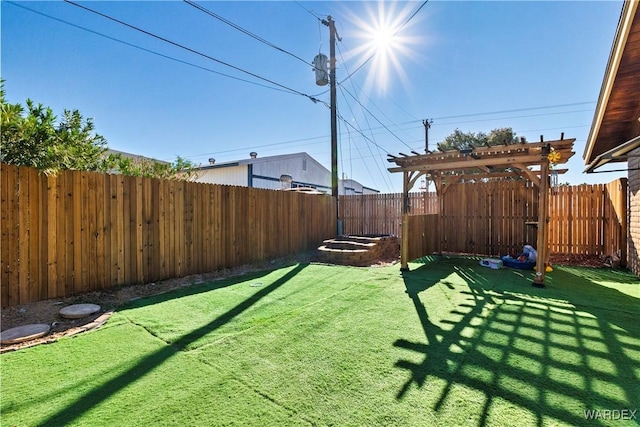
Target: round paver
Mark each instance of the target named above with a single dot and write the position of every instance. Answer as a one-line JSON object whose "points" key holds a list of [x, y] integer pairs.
{"points": [[24, 333], [77, 311]]}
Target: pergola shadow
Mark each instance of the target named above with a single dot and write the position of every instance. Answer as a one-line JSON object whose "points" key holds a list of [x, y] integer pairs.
{"points": [[553, 358], [147, 364]]}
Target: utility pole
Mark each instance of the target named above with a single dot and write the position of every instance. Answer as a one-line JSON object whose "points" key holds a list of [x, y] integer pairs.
{"points": [[329, 22], [427, 125]]}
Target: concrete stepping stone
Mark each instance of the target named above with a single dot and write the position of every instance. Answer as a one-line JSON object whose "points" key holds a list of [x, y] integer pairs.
{"points": [[77, 311], [24, 333]]}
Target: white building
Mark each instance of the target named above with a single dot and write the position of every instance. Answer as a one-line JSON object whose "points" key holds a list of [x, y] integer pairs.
{"points": [[267, 172], [275, 172], [349, 187]]}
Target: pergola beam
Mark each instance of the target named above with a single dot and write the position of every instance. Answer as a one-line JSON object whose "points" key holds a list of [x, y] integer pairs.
{"points": [[468, 163]]}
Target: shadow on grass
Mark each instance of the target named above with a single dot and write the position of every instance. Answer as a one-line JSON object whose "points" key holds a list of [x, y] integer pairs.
{"points": [[147, 364], [554, 352]]}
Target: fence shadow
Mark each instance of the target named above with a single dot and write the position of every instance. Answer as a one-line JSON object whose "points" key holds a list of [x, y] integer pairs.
{"points": [[147, 364], [553, 352]]}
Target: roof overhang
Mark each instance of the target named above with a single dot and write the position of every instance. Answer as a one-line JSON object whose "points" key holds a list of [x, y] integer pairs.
{"points": [[616, 154], [615, 122]]}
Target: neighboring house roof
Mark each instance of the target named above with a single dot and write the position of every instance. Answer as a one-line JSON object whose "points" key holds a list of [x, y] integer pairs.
{"points": [[257, 160], [615, 130]]}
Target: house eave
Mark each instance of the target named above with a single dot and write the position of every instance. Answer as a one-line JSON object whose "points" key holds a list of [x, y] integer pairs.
{"points": [[625, 24], [616, 154]]}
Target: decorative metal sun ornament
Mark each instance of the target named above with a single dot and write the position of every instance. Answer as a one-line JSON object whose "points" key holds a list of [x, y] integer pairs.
{"points": [[554, 157]]}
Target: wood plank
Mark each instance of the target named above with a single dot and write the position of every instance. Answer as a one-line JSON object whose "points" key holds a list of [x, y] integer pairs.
{"points": [[138, 232], [34, 231], [15, 241], [162, 228], [8, 208], [146, 257], [100, 231], [128, 230], [52, 234], [63, 222], [179, 229], [112, 244], [170, 231]]}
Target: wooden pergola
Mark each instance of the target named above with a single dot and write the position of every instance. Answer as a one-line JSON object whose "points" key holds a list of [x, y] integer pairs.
{"points": [[528, 160]]}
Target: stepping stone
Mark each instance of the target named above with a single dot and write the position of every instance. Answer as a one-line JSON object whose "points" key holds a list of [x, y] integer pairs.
{"points": [[24, 333], [78, 311]]}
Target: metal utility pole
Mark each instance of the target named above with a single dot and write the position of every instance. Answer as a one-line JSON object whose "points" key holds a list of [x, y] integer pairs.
{"points": [[329, 22], [427, 126]]}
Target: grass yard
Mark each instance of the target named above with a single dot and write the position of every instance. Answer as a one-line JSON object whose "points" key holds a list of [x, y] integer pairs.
{"points": [[448, 343]]}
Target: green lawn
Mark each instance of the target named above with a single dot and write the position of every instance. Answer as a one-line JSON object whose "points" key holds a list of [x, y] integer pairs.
{"points": [[448, 343]]}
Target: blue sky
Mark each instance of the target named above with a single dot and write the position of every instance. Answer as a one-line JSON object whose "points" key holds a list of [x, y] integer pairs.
{"points": [[534, 66]]}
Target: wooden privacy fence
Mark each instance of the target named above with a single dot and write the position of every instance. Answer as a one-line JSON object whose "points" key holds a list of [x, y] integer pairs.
{"points": [[381, 213], [496, 218], [83, 231]]}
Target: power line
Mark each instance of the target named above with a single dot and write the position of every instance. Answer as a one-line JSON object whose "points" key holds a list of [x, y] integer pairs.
{"points": [[372, 115], [417, 140], [412, 16], [573, 104], [193, 51], [368, 146], [244, 31], [356, 88], [367, 120], [315, 15], [143, 48], [361, 134], [366, 166]]}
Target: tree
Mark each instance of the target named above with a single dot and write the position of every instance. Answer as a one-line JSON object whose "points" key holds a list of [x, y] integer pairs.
{"points": [[460, 140], [33, 138], [179, 169]]}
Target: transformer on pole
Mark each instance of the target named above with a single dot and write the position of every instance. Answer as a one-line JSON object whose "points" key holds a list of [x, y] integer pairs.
{"points": [[329, 22]]}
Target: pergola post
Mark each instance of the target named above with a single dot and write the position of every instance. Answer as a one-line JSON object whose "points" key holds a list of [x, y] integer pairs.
{"points": [[404, 239], [440, 195], [543, 220]]}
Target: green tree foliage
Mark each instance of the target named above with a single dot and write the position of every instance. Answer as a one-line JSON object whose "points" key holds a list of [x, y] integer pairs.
{"points": [[32, 137], [459, 140], [179, 169]]}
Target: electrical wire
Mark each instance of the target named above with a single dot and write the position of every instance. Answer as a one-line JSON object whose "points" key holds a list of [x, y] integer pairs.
{"points": [[381, 156], [315, 15], [366, 166], [368, 146], [376, 119], [573, 104], [357, 89], [424, 3], [193, 51], [143, 48], [243, 30]]}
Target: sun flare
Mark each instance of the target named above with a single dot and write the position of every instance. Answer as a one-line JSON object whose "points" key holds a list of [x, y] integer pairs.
{"points": [[382, 37]]}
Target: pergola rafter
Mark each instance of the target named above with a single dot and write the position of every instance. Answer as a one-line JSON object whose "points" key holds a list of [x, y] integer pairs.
{"points": [[527, 160]]}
